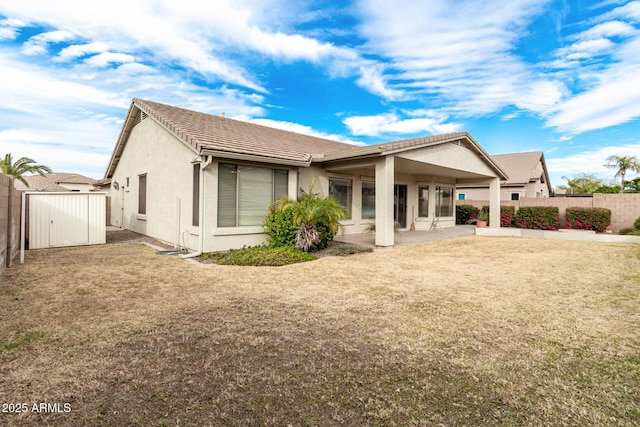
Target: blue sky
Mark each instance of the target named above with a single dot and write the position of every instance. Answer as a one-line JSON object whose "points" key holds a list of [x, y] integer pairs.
{"points": [[562, 77]]}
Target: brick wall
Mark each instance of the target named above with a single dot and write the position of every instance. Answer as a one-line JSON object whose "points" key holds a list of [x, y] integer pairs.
{"points": [[10, 205], [625, 208]]}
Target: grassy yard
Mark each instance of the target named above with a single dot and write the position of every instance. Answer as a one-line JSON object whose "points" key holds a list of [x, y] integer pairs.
{"points": [[470, 331]]}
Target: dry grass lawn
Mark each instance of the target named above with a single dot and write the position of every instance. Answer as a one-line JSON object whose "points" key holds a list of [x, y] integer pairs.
{"points": [[464, 332]]}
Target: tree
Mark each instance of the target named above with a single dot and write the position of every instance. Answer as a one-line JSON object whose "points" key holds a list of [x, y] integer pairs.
{"points": [[312, 213], [623, 164], [608, 189], [581, 184], [633, 186], [20, 167]]}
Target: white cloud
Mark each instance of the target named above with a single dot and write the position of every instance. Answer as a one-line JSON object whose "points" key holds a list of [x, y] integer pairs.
{"points": [[590, 161], [392, 124], [462, 52], [607, 29], [106, 58], [39, 43], [612, 99], [372, 79], [78, 50], [627, 12], [9, 28]]}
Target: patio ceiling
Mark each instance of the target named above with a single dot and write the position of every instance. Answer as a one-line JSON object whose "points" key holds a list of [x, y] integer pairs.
{"points": [[405, 166]]}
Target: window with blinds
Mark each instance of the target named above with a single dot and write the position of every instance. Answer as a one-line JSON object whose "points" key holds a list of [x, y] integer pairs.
{"points": [[246, 192]]}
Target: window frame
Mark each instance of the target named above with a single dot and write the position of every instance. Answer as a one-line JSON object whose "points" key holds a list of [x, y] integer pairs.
{"points": [[142, 194], [440, 198], [240, 197], [372, 208], [349, 194], [421, 201]]}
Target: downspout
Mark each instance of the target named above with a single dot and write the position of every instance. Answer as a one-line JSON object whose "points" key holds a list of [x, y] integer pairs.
{"points": [[203, 166]]}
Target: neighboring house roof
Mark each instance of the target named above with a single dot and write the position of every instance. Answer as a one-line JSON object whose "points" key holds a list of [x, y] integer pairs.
{"points": [[52, 181], [223, 137], [522, 168]]}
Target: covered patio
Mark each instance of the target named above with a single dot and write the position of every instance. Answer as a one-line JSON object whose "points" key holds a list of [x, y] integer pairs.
{"points": [[408, 185]]}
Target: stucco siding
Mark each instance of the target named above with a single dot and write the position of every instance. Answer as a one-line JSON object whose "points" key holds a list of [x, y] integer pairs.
{"points": [[151, 150], [451, 156]]}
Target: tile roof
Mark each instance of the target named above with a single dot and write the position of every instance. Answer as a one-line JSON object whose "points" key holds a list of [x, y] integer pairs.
{"points": [[52, 181], [520, 166], [210, 132]]}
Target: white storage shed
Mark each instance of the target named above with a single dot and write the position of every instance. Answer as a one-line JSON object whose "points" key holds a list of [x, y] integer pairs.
{"points": [[65, 219]]}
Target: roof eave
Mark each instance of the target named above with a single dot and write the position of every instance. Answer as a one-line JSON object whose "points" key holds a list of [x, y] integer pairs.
{"points": [[121, 142], [367, 151], [255, 158]]}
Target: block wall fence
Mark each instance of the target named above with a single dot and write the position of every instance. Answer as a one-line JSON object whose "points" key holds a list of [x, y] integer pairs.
{"points": [[10, 206], [625, 208]]}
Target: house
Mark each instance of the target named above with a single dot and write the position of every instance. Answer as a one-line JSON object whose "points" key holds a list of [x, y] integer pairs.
{"points": [[56, 181], [528, 177], [206, 182]]}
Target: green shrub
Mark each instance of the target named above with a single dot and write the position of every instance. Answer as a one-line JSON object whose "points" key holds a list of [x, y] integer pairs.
{"points": [[624, 231], [259, 256], [279, 228], [281, 232], [466, 212], [326, 236], [636, 224], [596, 219], [314, 219], [538, 218]]}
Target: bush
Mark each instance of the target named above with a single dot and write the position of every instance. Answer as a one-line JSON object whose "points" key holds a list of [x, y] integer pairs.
{"points": [[315, 219], [624, 231], [279, 228], [538, 218], [507, 215], [280, 231], [326, 236], [466, 212], [595, 219], [636, 224], [259, 256]]}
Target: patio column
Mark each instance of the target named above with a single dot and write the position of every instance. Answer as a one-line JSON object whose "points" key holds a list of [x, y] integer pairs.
{"points": [[494, 203], [384, 201]]}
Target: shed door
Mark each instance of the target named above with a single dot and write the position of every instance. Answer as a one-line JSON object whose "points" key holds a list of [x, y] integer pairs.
{"points": [[68, 218]]}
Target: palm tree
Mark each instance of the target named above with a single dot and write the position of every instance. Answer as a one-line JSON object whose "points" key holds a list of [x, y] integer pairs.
{"points": [[623, 164], [20, 167], [311, 211]]}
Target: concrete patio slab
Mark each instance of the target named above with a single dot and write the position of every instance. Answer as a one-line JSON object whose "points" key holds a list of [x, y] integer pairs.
{"points": [[408, 238]]}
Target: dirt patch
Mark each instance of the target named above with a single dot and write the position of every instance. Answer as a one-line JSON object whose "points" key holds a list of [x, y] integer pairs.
{"points": [[470, 331], [128, 236]]}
